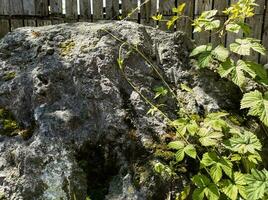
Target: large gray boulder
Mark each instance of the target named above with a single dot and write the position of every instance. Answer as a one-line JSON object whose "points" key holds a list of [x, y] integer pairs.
{"points": [[70, 124]]}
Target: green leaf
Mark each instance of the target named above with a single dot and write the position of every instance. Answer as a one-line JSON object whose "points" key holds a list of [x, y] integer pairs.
{"points": [[160, 91], [208, 138], [201, 180], [243, 46], [176, 145], [204, 59], [212, 192], [180, 155], [235, 187], [179, 10], [186, 88], [220, 53], [198, 194], [244, 143], [190, 151], [201, 49], [157, 17], [216, 172], [257, 104], [235, 28], [218, 164], [212, 25], [257, 184], [230, 190]]}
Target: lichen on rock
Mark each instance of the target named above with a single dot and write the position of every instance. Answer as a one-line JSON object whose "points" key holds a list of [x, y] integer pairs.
{"points": [[91, 134]]}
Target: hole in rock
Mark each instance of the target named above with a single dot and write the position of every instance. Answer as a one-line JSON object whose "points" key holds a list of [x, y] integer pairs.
{"points": [[99, 164]]}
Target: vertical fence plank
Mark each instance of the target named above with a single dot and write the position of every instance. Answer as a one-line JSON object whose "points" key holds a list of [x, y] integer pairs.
{"points": [[165, 8], [185, 24], [15, 7], [41, 7], [4, 27], [127, 7], [256, 23], [4, 7], [200, 6], [219, 5], [29, 22], [231, 36], [28, 7], [85, 9], [56, 7], [264, 59], [16, 23], [43, 22], [71, 9], [112, 9], [147, 11], [97, 9]]}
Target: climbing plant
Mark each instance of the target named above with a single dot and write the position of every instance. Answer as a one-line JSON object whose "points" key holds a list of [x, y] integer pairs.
{"points": [[227, 154]]}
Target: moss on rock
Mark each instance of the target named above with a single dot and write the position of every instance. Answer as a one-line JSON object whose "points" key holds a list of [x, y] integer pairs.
{"points": [[8, 124], [9, 76]]}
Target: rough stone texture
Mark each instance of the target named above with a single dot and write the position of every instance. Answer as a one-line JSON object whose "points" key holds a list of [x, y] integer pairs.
{"points": [[90, 131]]}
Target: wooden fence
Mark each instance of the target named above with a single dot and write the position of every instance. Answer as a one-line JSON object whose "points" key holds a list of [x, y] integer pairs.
{"points": [[18, 13]]}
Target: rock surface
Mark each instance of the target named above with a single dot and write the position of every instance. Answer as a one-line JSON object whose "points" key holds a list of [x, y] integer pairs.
{"points": [[82, 128]]}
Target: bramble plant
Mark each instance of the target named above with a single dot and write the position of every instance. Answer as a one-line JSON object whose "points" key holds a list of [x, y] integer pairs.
{"points": [[230, 164]]}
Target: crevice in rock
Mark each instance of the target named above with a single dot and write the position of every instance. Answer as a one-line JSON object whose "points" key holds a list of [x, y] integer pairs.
{"points": [[99, 162]]}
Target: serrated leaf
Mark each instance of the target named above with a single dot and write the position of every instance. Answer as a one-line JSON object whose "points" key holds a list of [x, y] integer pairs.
{"points": [[201, 49], [244, 143], [190, 151], [216, 172], [212, 25], [234, 28], [257, 183], [208, 138], [204, 59], [179, 155], [176, 145], [257, 104], [201, 180], [220, 53], [241, 47]]}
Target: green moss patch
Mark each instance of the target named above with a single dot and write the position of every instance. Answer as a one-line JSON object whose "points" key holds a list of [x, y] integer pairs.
{"points": [[9, 76], [10, 127], [66, 47]]}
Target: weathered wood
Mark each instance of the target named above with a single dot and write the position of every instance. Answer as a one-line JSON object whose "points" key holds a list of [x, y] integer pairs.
{"points": [[56, 7], [43, 22], [112, 9], [85, 9], [147, 11], [4, 7], [200, 6], [15, 7], [97, 9], [256, 23], [232, 36], [41, 7], [219, 5], [185, 24], [71, 9], [57, 21], [16, 23], [29, 7], [165, 8], [264, 59], [4, 27], [30, 22], [127, 7]]}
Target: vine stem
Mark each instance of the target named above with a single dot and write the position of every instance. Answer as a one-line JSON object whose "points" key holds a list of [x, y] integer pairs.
{"points": [[152, 104]]}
